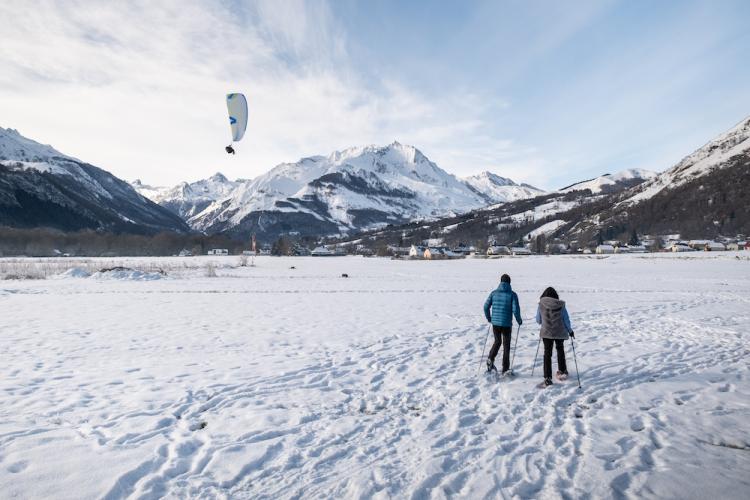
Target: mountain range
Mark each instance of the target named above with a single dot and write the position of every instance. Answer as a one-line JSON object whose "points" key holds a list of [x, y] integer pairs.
{"points": [[346, 191], [706, 194], [381, 190], [41, 187]]}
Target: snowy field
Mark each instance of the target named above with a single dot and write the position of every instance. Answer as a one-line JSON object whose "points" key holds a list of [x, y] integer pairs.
{"points": [[272, 382]]}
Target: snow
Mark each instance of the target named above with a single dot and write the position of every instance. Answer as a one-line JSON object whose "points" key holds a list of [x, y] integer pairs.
{"points": [[545, 229], [714, 155], [596, 185], [271, 382], [501, 189]]}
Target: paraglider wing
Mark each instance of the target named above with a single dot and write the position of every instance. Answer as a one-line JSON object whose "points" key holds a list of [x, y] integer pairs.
{"points": [[237, 107]]}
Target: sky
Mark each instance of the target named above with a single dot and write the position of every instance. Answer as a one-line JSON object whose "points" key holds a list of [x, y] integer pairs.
{"points": [[543, 92]]}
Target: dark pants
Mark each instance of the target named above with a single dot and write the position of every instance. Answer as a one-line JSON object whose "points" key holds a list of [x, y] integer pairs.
{"points": [[502, 336], [560, 345]]}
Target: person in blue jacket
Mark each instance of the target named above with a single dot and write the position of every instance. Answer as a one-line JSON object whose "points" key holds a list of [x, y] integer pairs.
{"points": [[499, 309], [555, 328]]}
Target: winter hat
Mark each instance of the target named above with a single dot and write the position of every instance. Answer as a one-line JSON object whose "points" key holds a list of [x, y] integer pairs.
{"points": [[504, 278]]}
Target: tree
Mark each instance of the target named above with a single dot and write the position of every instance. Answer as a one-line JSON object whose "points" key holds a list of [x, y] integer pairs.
{"points": [[634, 239], [599, 239]]}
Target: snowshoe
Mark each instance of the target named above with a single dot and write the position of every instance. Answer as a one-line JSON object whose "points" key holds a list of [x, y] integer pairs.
{"points": [[546, 383], [561, 376], [491, 366]]}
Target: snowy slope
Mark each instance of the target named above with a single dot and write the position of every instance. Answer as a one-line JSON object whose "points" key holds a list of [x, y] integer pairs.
{"points": [[608, 182], [351, 189], [501, 189], [136, 389], [189, 199], [715, 155], [39, 186]]}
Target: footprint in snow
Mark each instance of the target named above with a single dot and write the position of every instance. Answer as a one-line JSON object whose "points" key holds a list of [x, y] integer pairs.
{"points": [[636, 424]]}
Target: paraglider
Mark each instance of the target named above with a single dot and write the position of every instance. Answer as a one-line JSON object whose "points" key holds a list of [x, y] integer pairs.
{"points": [[237, 108]]}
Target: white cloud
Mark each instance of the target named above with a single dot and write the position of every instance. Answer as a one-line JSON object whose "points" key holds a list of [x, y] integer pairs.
{"points": [[138, 89]]}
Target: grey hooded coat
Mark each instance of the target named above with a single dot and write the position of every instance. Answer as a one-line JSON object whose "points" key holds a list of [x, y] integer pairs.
{"points": [[554, 319]]}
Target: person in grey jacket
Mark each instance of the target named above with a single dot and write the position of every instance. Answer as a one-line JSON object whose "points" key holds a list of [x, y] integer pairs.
{"points": [[555, 328], [499, 309]]}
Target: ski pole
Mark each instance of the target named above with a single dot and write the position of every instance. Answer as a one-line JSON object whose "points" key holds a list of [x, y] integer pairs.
{"points": [[483, 348], [535, 355], [515, 344], [576, 361]]}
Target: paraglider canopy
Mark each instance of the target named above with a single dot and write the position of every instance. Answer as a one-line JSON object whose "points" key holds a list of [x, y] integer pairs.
{"points": [[237, 108]]}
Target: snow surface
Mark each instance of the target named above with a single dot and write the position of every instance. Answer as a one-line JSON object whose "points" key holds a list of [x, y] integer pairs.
{"points": [[596, 185], [545, 229], [272, 382]]}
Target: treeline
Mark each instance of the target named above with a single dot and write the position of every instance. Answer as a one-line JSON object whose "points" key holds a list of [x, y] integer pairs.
{"points": [[45, 242]]}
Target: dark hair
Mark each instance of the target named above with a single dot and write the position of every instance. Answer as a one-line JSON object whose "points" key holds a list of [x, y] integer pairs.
{"points": [[550, 292], [504, 278]]}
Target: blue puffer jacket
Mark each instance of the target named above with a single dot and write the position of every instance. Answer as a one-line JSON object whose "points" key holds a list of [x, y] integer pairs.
{"points": [[503, 302]]}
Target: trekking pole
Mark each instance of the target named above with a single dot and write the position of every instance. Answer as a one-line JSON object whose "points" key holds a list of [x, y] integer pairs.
{"points": [[483, 348], [576, 361], [515, 344], [535, 355]]}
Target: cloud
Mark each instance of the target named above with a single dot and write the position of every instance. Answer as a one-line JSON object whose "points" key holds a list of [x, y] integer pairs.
{"points": [[138, 88]]}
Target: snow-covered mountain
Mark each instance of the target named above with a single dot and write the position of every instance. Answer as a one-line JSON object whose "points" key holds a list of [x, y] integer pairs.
{"points": [[725, 151], [353, 189], [612, 182], [498, 189], [40, 186], [189, 199]]}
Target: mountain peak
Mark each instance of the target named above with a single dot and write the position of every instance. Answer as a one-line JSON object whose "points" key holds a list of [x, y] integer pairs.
{"points": [[218, 177]]}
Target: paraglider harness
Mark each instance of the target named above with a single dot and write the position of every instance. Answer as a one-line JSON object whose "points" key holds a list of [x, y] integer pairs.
{"points": [[229, 149]]}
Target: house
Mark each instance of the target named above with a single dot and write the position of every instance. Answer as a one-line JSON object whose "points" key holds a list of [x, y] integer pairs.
{"points": [[739, 245], [218, 251], [698, 244], [417, 251], [300, 251], [622, 250], [714, 246], [186, 253], [637, 249], [520, 251], [464, 249], [605, 249], [321, 252], [438, 253], [680, 247], [498, 250]]}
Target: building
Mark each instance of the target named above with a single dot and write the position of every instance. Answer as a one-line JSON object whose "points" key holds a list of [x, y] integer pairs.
{"points": [[714, 246], [605, 249], [520, 251], [218, 251], [417, 251], [498, 250], [637, 249], [322, 252]]}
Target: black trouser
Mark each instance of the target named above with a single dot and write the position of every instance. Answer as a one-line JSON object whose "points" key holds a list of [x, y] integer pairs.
{"points": [[560, 345], [502, 336]]}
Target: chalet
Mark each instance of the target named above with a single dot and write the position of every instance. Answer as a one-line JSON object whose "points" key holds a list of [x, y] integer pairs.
{"points": [[417, 251], [637, 249], [498, 250], [322, 251], [680, 247], [520, 251], [714, 246]]}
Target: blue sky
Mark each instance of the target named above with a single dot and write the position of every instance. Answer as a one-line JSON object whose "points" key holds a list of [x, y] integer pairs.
{"points": [[542, 92]]}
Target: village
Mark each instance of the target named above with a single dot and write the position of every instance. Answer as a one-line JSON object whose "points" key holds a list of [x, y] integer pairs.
{"points": [[437, 249]]}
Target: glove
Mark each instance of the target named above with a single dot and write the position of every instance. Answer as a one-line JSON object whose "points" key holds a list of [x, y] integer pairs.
{"points": [[520, 322], [572, 335]]}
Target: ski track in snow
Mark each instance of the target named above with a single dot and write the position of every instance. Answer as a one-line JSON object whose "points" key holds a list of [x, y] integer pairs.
{"points": [[182, 388]]}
